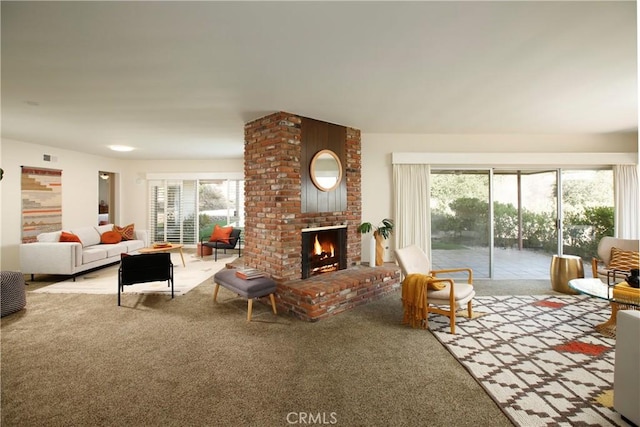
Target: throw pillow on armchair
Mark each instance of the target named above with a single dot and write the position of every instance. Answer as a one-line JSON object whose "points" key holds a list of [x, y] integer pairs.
{"points": [[221, 234]]}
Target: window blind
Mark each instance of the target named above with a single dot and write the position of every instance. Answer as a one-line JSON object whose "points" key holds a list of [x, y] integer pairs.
{"points": [[172, 211]]}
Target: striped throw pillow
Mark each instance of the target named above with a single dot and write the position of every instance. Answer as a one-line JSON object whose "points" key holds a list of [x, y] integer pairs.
{"points": [[126, 232], [623, 260]]}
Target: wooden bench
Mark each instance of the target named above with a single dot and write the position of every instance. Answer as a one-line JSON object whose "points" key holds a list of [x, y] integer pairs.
{"points": [[249, 289]]}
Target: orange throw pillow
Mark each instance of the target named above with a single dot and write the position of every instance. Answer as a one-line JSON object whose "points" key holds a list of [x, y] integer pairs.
{"points": [[126, 232], [110, 237], [69, 237], [221, 234]]}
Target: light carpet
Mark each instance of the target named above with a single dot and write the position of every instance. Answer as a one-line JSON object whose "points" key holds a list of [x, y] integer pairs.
{"points": [[105, 280], [539, 357]]}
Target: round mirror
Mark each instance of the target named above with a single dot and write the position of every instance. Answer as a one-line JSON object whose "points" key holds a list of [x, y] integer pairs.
{"points": [[326, 170]]}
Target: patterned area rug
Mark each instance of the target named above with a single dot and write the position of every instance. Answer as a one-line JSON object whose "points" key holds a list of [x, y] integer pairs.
{"points": [[539, 357], [105, 280]]}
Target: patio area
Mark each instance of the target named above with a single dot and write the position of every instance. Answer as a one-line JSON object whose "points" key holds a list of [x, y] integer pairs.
{"points": [[508, 263]]}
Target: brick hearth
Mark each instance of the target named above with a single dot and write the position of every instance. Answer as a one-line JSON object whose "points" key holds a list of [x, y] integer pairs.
{"points": [[331, 293]]}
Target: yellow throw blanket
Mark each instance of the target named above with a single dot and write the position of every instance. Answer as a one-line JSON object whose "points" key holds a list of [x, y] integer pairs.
{"points": [[622, 293], [414, 300]]}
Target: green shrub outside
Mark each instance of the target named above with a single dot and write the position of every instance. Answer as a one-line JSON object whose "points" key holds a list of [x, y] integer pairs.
{"points": [[468, 224]]}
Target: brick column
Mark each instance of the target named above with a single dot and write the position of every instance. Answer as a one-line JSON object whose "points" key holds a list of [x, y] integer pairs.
{"points": [[272, 193], [354, 196]]}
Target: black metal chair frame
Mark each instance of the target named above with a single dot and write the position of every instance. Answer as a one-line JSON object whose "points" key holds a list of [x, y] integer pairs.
{"points": [[144, 268], [234, 240]]}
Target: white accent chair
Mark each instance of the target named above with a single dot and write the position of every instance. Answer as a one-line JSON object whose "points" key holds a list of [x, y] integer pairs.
{"points": [[600, 264], [626, 377], [413, 260]]}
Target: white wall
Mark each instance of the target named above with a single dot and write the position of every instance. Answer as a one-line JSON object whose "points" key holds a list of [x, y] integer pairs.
{"points": [[377, 168], [80, 188]]}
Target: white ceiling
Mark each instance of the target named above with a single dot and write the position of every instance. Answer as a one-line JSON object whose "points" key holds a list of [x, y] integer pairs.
{"points": [[180, 79]]}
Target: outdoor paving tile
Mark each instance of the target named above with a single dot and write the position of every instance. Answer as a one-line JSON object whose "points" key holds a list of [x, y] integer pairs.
{"points": [[508, 263]]}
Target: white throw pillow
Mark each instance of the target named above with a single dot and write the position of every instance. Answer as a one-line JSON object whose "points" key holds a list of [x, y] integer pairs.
{"points": [[53, 236], [88, 235], [104, 228]]}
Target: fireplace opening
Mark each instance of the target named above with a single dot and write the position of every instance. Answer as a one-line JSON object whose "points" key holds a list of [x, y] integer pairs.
{"points": [[323, 250]]}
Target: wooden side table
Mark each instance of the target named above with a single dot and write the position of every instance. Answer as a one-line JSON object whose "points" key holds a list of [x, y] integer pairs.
{"points": [[563, 269], [168, 248]]}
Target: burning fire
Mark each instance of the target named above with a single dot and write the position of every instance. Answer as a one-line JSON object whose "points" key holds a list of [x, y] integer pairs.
{"points": [[317, 249]]}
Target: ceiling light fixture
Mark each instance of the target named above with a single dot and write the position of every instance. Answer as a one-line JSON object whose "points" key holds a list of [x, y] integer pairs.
{"points": [[104, 175], [121, 148]]}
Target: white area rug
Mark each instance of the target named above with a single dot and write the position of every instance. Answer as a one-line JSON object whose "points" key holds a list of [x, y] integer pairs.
{"points": [[105, 280], [539, 357]]}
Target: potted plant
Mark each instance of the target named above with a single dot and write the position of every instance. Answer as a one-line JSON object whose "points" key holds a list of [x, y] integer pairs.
{"points": [[380, 233]]}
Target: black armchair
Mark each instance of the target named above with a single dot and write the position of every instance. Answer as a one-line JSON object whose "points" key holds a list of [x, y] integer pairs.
{"points": [[145, 268], [234, 240]]}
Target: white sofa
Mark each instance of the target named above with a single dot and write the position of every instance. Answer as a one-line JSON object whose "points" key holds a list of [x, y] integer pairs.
{"points": [[50, 256], [626, 377]]}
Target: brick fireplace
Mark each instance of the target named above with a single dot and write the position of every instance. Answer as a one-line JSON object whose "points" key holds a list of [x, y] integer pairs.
{"points": [[281, 202]]}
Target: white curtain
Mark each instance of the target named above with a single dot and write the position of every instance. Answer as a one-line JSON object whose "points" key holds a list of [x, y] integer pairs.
{"points": [[412, 212], [627, 203]]}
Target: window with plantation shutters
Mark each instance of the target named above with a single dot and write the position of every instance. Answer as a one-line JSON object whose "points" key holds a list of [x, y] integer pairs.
{"points": [[173, 211], [189, 212], [156, 211], [180, 209]]}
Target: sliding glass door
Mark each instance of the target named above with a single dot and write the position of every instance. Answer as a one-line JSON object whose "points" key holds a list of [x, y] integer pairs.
{"points": [[587, 210], [507, 224], [460, 225], [525, 223], [221, 201]]}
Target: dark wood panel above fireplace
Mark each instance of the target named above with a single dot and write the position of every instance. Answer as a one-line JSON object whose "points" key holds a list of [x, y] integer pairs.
{"points": [[316, 136]]}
